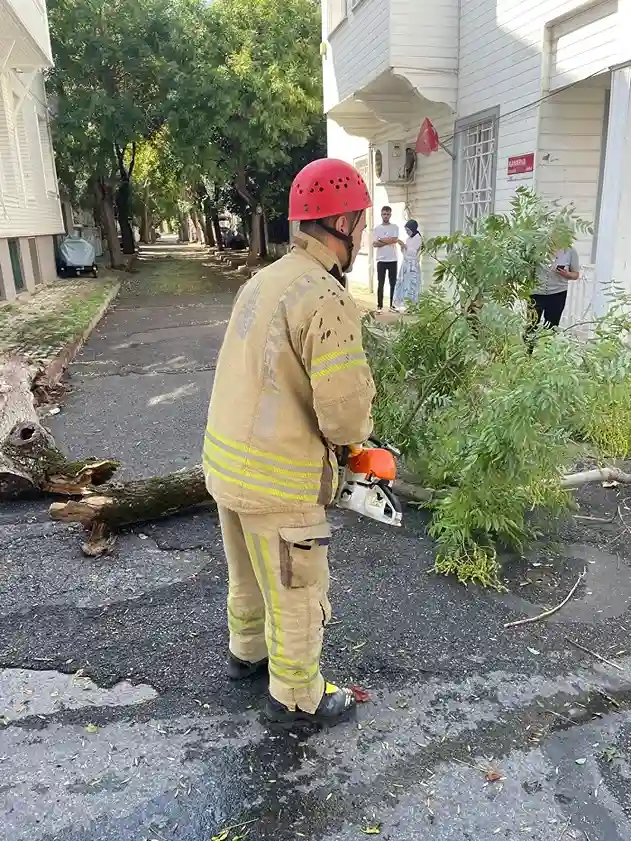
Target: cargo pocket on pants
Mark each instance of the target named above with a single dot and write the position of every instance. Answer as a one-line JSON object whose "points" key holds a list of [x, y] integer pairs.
{"points": [[303, 555]]}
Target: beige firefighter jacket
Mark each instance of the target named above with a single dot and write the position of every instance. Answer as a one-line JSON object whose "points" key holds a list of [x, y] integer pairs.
{"points": [[292, 383]]}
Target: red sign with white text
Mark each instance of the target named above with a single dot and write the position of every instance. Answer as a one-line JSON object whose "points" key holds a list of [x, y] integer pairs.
{"points": [[521, 164]]}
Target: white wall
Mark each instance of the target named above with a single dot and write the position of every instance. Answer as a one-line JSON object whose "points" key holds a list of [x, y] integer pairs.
{"points": [[29, 201], [501, 52], [357, 51], [33, 17], [569, 154]]}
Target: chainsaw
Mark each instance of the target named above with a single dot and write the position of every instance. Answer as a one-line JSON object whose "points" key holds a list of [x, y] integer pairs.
{"points": [[366, 483]]}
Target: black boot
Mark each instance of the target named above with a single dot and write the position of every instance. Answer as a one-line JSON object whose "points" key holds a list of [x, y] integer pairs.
{"points": [[337, 705], [241, 670]]}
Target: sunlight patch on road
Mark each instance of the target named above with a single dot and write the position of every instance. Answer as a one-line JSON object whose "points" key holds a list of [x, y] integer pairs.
{"points": [[28, 692]]}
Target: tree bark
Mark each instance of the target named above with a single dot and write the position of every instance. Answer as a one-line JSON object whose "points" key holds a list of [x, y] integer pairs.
{"points": [[146, 229], [209, 230], [123, 197], [123, 205], [17, 404], [217, 230], [120, 504], [185, 231], [197, 225], [105, 196]]}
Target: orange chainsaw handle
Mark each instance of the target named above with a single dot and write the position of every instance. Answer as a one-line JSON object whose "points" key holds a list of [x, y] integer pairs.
{"points": [[374, 462]]}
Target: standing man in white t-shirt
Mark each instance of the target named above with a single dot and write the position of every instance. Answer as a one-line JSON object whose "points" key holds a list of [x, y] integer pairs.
{"points": [[385, 239]]}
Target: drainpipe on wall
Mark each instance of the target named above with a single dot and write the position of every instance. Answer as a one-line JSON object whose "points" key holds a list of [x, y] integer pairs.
{"points": [[371, 217]]}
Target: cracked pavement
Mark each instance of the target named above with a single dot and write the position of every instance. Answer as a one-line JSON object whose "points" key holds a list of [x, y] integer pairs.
{"points": [[118, 723]]}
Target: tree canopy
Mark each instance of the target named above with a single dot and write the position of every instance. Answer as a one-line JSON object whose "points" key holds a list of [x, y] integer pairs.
{"points": [[222, 94]]}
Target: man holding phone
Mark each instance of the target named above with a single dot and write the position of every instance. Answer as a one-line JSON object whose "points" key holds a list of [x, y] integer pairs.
{"points": [[549, 297]]}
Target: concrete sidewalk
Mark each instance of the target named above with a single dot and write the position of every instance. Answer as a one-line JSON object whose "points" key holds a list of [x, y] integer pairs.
{"points": [[120, 724]]}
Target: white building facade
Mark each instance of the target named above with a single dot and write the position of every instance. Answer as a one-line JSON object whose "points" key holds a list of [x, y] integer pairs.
{"points": [[30, 210], [534, 94]]}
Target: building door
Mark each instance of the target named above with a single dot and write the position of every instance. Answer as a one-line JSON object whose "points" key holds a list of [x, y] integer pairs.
{"points": [[16, 264]]}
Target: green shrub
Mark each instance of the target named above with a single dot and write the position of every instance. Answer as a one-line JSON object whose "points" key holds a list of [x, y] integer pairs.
{"points": [[479, 417]]}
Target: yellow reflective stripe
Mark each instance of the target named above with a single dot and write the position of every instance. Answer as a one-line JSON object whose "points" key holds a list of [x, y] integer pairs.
{"points": [[278, 650], [336, 354], [244, 624], [246, 448], [264, 489], [291, 678], [240, 464], [258, 549], [324, 372]]}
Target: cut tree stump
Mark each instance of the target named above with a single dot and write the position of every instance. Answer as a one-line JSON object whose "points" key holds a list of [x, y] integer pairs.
{"points": [[17, 408], [30, 462]]}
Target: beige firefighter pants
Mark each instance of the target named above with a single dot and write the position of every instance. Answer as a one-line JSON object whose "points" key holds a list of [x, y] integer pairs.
{"points": [[278, 601]]}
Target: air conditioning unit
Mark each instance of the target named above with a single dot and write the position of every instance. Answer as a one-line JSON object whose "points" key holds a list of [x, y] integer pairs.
{"points": [[395, 163]]}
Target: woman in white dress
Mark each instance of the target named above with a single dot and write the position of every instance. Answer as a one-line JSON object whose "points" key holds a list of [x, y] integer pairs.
{"points": [[408, 286]]}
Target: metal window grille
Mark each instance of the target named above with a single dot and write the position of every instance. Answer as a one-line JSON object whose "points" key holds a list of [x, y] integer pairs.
{"points": [[477, 162]]}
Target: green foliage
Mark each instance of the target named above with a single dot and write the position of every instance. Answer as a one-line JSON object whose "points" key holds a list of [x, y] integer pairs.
{"points": [[499, 259], [116, 77], [478, 417], [227, 93]]}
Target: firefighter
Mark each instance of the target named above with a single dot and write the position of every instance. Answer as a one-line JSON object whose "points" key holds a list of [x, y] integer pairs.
{"points": [[292, 386]]}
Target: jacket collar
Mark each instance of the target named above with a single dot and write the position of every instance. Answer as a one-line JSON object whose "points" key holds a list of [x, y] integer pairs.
{"points": [[320, 253]]}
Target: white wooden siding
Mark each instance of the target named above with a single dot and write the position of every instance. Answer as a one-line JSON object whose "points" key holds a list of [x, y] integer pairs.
{"points": [[501, 63], [424, 34], [357, 51], [584, 44], [419, 40], [568, 171], [29, 204], [34, 19]]}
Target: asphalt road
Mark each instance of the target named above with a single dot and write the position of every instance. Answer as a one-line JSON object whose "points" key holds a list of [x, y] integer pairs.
{"points": [[117, 723]]}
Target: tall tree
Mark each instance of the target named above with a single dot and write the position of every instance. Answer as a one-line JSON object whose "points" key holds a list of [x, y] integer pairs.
{"points": [[118, 64], [267, 94]]}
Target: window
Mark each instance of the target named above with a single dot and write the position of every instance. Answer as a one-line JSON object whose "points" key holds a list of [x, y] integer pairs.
{"points": [[475, 168], [336, 13], [46, 148]]}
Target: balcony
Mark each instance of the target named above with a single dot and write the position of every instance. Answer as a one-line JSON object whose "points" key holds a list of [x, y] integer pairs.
{"points": [[24, 36], [388, 61]]}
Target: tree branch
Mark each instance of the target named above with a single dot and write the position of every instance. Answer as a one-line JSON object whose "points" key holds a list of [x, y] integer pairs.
{"points": [[133, 160], [120, 157]]}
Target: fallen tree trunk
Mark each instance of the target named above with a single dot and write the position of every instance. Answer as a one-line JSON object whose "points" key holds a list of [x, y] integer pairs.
{"points": [[120, 504]]}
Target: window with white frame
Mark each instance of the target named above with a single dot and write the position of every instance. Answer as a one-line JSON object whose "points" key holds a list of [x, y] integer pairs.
{"points": [[336, 12], [476, 164]]}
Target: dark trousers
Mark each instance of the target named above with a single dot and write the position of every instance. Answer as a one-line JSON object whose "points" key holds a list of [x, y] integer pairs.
{"points": [[391, 270], [547, 307]]}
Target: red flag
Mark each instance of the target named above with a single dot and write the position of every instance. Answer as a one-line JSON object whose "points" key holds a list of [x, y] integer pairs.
{"points": [[427, 140]]}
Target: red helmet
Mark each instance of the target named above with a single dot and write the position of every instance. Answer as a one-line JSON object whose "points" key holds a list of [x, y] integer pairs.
{"points": [[327, 187]]}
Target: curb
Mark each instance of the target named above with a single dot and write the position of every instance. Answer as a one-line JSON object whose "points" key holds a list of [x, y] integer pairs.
{"points": [[54, 370]]}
